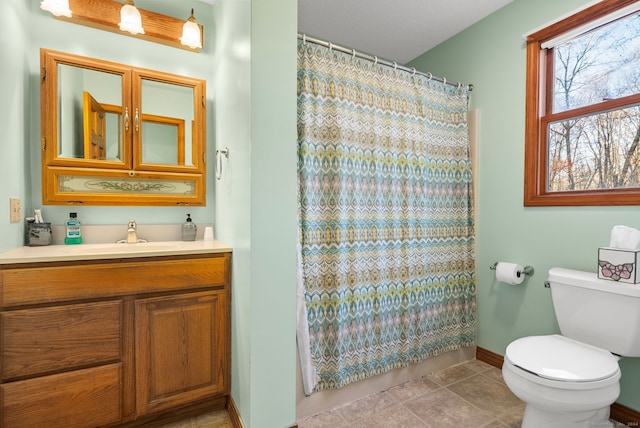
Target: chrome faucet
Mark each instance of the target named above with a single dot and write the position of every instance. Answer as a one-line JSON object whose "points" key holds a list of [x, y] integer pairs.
{"points": [[132, 234]]}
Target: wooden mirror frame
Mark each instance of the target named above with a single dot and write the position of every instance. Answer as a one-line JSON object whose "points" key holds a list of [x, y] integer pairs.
{"points": [[87, 181]]}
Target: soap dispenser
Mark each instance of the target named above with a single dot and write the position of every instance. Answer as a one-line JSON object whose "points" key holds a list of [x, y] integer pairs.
{"points": [[189, 230]]}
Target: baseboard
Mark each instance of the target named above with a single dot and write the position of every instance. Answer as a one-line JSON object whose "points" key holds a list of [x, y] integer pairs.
{"points": [[619, 412], [234, 414], [625, 415], [489, 357]]}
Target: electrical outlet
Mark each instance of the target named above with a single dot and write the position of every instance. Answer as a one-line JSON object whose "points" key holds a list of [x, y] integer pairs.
{"points": [[15, 210]]}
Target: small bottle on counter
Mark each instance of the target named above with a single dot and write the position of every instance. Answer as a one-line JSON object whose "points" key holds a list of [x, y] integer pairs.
{"points": [[73, 233], [189, 230]]}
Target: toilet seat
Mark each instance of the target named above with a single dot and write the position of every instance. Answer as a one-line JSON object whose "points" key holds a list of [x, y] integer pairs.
{"points": [[560, 359]]}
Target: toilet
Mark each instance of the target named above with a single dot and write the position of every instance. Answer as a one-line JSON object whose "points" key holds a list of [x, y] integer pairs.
{"points": [[571, 379]]}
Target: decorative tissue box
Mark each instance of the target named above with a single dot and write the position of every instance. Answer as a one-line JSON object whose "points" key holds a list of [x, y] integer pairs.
{"points": [[618, 264]]}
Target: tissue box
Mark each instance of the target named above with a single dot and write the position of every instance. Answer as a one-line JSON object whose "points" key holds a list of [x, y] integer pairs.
{"points": [[617, 264]]}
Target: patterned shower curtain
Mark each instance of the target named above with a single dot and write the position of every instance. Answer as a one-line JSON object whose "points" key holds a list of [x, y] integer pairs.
{"points": [[386, 234]]}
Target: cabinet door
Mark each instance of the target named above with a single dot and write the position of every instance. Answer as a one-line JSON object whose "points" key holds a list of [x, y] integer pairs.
{"points": [[182, 349]]}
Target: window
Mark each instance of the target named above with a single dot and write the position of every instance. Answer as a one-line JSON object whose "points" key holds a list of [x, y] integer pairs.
{"points": [[583, 109]]}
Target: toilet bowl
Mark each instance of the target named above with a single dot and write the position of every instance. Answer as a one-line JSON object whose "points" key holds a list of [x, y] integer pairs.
{"points": [[564, 383], [570, 379]]}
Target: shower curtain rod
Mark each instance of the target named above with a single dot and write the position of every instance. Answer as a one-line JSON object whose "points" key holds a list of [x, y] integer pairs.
{"points": [[377, 60]]}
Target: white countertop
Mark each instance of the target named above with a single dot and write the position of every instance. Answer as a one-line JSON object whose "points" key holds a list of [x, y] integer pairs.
{"points": [[56, 253]]}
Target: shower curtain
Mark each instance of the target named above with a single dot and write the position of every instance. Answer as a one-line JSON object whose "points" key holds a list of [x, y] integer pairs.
{"points": [[386, 234]]}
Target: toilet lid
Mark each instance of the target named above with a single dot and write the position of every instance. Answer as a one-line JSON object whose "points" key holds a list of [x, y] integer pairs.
{"points": [[557, 357]]}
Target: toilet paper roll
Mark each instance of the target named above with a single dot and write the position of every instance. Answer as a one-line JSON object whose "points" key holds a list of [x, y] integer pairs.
{"points": [[509, 273]]}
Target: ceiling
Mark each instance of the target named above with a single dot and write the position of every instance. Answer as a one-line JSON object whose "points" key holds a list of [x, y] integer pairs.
{"points": [[398, 30]]}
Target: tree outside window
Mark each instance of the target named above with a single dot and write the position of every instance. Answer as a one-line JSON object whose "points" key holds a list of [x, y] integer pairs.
{"points": [[583, 109]]}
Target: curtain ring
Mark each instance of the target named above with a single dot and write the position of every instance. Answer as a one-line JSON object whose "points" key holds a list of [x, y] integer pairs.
{"points": [[353, 53], [330, 46], [304, 39], [430, 77], [444, 80], [413, 73], [376, 60], [395, 65]]}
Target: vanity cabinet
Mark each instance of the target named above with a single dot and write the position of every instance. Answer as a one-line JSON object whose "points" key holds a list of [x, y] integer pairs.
{"points": [[114, 342]]}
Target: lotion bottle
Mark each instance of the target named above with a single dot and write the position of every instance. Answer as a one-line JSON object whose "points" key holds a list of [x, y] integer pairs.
{"points": [[189, 230], [73, 232]]}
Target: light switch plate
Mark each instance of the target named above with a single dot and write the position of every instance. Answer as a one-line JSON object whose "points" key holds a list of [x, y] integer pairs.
{"points": [[15, 210]]}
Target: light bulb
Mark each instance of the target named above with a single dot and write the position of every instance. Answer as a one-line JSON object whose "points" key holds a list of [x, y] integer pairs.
{"points": [[56, 7], [130, 19], [191, 33]]}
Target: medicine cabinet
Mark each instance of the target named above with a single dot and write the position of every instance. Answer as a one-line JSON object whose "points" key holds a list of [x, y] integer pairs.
{"points": [[114, 134]]}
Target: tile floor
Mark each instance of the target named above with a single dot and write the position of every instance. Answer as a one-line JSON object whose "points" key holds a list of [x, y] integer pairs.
{"points": [[467, 395], [218, 419], [470, 394]]}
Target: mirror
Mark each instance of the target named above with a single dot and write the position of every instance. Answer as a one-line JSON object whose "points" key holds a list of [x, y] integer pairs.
{"points": [[80, 89], [112, 121], [163, 123]]}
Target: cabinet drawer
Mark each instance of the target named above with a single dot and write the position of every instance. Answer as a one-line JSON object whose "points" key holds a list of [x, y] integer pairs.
{"points": [[100, 280], [47, 340], [78, 399]]}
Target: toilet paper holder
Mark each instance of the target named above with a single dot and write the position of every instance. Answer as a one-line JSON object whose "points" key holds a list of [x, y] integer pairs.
{"points": [[527, 270]]}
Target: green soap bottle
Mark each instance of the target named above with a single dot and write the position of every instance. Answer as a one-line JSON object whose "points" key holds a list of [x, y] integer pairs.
{"points": [[74, 233]]}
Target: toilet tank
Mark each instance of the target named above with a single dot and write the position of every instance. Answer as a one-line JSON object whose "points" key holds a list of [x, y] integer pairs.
{"points": [[599, 312]]}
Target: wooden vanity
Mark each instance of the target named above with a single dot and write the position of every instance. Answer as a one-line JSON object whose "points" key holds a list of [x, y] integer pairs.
{"points": [[116, 341]]}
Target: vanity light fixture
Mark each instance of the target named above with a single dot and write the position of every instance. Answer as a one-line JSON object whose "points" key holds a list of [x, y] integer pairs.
{"points": [[191, 33], [130, 18], [56, 7], [111, 15]]}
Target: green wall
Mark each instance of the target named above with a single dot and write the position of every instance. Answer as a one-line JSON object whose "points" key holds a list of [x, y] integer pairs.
{"points": [[249, 62], [273, 211], [491, 56], [232, 112], [255, 86], [43, 31], [14, 87]]}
